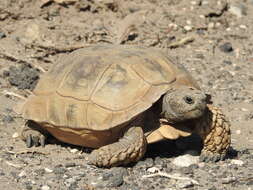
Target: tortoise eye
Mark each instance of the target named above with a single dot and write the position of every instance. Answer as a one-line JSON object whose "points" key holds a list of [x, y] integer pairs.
{"points": [[188, 100]]}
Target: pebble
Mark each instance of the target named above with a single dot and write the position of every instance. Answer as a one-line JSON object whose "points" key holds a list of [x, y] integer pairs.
{"points": [[228, 180], [59, 170], [211, 25], [2, 35], [226, 47], [48, 170], [69, 182], [110, 178], [237, 162], [184, 184], [147, 163], [227, 62], [21, 174], [153, 170], [188, 28], [185, 160], [238, 10], [45, 187], [7, 119], [238, 132], [74, 150], [243, 26], [15, 135]]}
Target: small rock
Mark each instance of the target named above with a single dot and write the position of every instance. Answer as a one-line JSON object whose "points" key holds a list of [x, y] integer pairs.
{"points": [[188, 28], [23, 76], [69, 165], [238, 10], [74, 150], [185, 160], [184, 184], [201, 164], [2, 35], [15, 135], [48, 170], [237, 162], [243, 26], [110, 178], [59, 170], [147, 163], [227, 62], [7, 119], [68, 182], [211, 25], [226, 47], [228, 180], [21, 174], [45, 187], [238, 132], [153, 170]]}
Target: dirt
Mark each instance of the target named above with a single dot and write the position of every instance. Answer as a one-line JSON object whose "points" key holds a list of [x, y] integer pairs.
{"points": [[212, 39]]}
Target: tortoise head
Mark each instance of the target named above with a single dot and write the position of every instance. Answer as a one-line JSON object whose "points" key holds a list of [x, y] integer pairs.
{"points": [[183, 104]]}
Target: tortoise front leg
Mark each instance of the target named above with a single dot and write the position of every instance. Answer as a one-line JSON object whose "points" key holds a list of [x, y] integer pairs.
{"points": [[215, 132], [130, 148], [33, 134]]}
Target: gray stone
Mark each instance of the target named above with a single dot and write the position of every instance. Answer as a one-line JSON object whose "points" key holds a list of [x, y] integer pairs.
{"points": [[184, 184], [147, 163], [226, 47], [2, 35], [110, 178]]}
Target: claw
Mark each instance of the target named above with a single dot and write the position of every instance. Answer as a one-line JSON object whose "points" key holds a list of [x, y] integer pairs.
{"points": [[36, 142], [42, 141], [209, 157], [29, 141]]}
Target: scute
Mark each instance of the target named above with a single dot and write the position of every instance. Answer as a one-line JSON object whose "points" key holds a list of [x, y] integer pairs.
{"points": [[83, 77], [119, 88]]}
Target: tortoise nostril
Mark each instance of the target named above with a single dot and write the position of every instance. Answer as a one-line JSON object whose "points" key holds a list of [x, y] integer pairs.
{"points": [[188, 100]]}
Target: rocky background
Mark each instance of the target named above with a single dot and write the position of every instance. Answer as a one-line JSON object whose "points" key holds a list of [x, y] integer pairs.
{"points": [[212, 39]]}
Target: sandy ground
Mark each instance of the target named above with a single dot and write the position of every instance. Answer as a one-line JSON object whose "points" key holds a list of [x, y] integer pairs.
{"points": [[212, 39]]}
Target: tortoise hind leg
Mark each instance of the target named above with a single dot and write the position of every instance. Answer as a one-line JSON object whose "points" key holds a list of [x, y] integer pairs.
{"points": [[130, 148], [33, 134], [215, 132]]}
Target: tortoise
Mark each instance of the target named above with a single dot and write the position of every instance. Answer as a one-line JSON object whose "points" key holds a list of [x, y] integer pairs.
{"points": [[117, 99]]}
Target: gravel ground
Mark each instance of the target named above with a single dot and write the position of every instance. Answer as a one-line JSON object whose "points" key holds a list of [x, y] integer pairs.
{"points": [[212, 39]]}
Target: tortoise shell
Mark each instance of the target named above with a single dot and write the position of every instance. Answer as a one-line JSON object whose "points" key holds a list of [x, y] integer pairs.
{"points": [[102, 86]]}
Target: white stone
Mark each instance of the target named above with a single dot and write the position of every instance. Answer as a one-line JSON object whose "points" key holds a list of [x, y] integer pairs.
{"points": [[45, 187], [211, 25], [244, 109], [238, 132], [21, 174], [48, 170], [74, 150], [237, 162], [201, 164], [188, 28], [238, 10], [15, 135], [185, 160], [243, 26], [153, 170]]}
